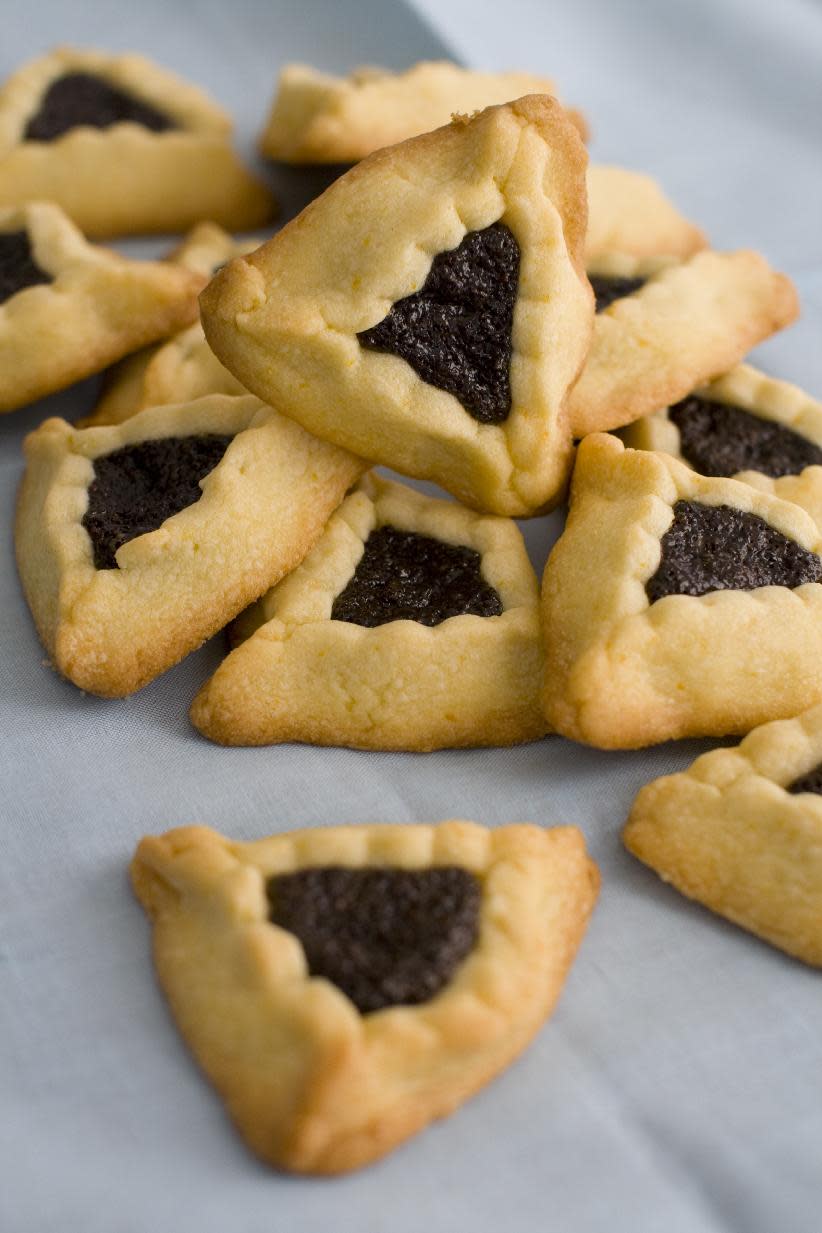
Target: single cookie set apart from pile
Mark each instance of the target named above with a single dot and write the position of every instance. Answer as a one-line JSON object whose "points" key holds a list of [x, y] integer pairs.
{"points": [[475, 306]]}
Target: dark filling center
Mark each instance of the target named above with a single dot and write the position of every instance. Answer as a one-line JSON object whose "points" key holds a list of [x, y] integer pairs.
{"points": [[386, 937], [606, 289], [136, 488], [18, 269], [720, 548], [812, 782], [402, 576], [719, 439], [456, 331], [82, 98]]}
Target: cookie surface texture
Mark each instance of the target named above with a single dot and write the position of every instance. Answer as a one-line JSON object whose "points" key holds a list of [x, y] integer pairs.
{"points": [[741, 832], [749, 426], [313, 1084], [90, 308], [686, 324], [628, 213], [622, 672], [183, 367], [318, 118], [357, 646], [415, 261], [190, 512], [122, 145]]}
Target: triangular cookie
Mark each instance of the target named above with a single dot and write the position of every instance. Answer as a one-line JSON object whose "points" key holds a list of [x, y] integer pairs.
{"points": [[413, 624], [183, 367], [748, 426], [137, 542], [677, 605], [662, 328], [68, 308], [477, 930], [423, 231], [122, 145], [319, 118], [741, 831]]}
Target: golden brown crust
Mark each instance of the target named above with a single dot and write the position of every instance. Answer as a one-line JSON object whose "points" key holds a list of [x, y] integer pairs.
{"points": [[319, 118], [728, 834], [126, 178], [769, 399], [622, 673], [313, 1085], [688, 324], [301, 676], [285, 319], [183, 367], [264, 504]]}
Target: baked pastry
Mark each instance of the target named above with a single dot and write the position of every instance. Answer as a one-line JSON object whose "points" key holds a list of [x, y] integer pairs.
{"points": [[183, 367], [412, 624], [748, 426], [319, 118], [629, 214], [122, 145], [331, 1041], [137, 542], [678, 605], [68, 308], [663, 327], [741, 832], [430, 309]]}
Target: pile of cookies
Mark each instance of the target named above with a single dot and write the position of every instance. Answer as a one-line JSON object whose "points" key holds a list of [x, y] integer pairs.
{"points": [[471, 305]]}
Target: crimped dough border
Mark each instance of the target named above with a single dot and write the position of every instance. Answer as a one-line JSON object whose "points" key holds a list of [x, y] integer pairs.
{"points": [[622, 673], [764, 396], [285, 319], [299, 675], [728, 834], [313, 1085], [263, 505]]}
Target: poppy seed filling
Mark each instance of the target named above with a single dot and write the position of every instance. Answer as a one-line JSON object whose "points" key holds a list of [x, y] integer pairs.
{"points": [[717, 438], [77, 99], [455, 332], [811, 782], [720, 548], [18, 269], [136, 488], [607, 290], [403, 576], [384, 936]]}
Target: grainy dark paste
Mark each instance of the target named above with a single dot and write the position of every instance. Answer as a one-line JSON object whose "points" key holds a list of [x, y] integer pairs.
{"points": [[386, 937], [136, 488], [719, 439], [455, 332], [82, 98], [720, 548], [402, 576], [812, 782], [18, 269], [606, 289]]}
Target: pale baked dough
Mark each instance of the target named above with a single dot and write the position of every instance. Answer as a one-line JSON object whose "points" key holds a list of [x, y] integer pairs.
{"points": [[767, 398], [689, 323], [98, 308], [126, 178], [628, 213], [727, 833], [312, 1084], [319, 118], [285, 320], [622, 673], [111, 631], [300, 676], [182, 367]]}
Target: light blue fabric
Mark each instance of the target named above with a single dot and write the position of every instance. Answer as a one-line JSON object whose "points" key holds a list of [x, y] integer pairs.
{"points": [[679, 1085]]}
